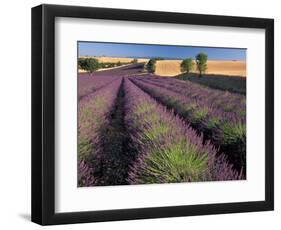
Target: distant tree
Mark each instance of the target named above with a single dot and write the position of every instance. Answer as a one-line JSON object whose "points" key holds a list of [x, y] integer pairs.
{"points": [[187, 65], [90, 65], [201, 62], [118, 63], [151, 65], [134, 61]]}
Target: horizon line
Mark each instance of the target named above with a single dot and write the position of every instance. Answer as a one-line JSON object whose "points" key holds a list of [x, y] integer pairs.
{"points": [[164, 58]]}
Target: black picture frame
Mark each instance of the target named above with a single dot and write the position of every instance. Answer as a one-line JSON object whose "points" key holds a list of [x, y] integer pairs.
{"points": [[43, 114]]}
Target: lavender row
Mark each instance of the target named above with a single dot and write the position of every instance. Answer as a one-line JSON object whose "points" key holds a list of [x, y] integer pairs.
{"points": [[93, 115], [88, 83], [225, 130], [168, 149], [221, 100]]}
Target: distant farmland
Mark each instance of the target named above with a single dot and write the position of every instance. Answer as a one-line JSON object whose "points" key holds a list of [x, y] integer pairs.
{"points": [[231, 68], [115, 59], [172, 67]]}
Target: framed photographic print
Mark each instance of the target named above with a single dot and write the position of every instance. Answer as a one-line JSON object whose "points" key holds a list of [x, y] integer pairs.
{"points": [[142, 114]]}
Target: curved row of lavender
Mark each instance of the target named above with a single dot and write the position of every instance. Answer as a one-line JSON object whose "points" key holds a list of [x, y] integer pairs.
{"points": [[92, 116], [88, 83], [168, 149], [222, 100], [226, 130]]}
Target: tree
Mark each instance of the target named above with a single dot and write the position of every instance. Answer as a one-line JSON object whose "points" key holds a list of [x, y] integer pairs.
{"points": [[118, 63], [90, 64], [134, 61], [81, 63], [151, 65], [110, 65], [201, 62], [187, 65]]}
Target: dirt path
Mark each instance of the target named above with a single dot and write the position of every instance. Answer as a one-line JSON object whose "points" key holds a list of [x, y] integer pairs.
{"points": [[112, 166]]}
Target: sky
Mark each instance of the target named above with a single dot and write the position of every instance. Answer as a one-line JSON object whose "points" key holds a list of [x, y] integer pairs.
{"points": [[163, 51]]}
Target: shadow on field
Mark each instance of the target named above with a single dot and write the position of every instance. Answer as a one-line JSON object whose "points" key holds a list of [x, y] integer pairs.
{"points": [[138, 66], [233, 84]]}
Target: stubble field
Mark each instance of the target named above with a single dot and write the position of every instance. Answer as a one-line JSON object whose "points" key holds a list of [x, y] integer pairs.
{"points": [[231, 68]]}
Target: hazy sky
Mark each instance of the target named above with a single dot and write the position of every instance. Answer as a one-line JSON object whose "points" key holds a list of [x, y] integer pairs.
{"points": [[164, 51]]}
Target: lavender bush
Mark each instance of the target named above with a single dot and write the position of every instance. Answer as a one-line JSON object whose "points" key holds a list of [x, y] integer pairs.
{"points": [[168, 149], [225, 129], [89, 84], [85, 175], [226, 101], [92, 116]]}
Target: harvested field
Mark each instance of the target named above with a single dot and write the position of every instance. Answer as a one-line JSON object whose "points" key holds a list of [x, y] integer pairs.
{"points": [[231, 68]]}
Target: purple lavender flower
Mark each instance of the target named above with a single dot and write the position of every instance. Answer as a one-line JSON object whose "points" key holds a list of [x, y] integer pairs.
{"points": [[93, 114], [226, 128], [169, 150]]}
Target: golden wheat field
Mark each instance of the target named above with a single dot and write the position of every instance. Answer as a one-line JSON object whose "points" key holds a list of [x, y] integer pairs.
{"points": [[232, 68]]}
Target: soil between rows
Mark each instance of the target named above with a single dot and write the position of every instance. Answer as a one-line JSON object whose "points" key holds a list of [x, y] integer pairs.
{"points": [[112, 165]]}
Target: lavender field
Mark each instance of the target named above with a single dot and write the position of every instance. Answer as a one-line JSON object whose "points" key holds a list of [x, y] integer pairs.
{"points": [[140, 128]]}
